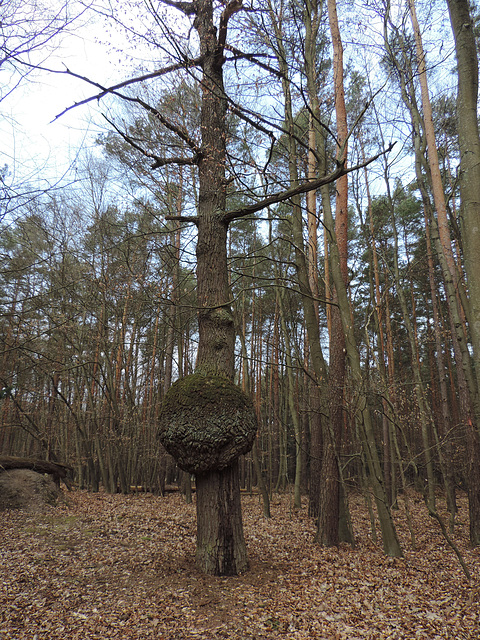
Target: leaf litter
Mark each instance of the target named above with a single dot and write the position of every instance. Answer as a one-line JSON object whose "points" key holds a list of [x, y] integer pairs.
{"points": [[113, 566]]}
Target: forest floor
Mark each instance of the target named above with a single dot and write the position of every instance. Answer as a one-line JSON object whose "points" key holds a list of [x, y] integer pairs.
{"points": [[112, 566]]}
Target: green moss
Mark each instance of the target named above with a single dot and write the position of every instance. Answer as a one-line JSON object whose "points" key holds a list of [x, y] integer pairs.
{"points": [[206, 422], [199, 389]]}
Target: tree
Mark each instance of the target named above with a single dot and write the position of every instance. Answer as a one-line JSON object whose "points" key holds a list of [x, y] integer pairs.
{"points": [[196, 422], [469, 141], [429, 180], [328, 533], [220, 544]]}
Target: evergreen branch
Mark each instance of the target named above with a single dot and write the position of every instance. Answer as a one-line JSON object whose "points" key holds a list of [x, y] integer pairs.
{"points": [[158, 161], [179, 131]]}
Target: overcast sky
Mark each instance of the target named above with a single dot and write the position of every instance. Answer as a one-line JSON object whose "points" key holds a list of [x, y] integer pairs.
{"points": [[34, 144]]}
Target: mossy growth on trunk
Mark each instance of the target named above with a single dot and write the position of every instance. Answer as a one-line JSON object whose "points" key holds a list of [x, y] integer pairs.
{"points": [[206, 422]]}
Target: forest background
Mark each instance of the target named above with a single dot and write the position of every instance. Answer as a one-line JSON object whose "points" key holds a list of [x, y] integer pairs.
{"points": [[355, 302]]}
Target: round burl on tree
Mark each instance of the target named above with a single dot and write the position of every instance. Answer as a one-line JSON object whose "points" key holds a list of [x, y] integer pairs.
{"points": [[206, 422]]}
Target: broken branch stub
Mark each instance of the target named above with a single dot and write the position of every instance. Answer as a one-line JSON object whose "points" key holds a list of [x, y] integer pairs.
{"points": [[206, 422]]}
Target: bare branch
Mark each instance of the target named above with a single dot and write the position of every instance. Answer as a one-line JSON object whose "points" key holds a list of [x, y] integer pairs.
{"points": [[256, 118], [281, 196], [188, 8], [341, 150], [233, 6], [303, 188], [254, 58], [180, 131], [121, 85], [188, 219]]}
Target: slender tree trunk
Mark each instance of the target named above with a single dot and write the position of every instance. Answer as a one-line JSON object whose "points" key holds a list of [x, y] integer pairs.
{"points": [[455, 293], [467, 382], [419, 387], [387, 403], [390, 541], [312, 220], [312, 20], [315, 451], [328, 522], [301, 263], [247, 388], [297, 502], [276, 424], [444, 414], [469, 140], [436, 178], [174, 295]]}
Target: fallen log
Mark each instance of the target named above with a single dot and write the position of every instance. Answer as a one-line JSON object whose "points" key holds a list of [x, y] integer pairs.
{"points": [[58, 470]]}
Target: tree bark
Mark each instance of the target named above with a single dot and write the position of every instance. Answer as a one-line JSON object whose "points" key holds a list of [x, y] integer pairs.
{"points": [[312, 21], [390, 540], [469, 141], [221, 546], [329, 512]]}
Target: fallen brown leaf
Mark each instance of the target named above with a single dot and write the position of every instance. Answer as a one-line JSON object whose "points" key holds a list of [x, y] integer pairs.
{"points": [[122, 567]]}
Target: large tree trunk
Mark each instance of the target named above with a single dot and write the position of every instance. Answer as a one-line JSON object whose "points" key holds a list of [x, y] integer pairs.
{"points": [[221, 546], [221, 549]]}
